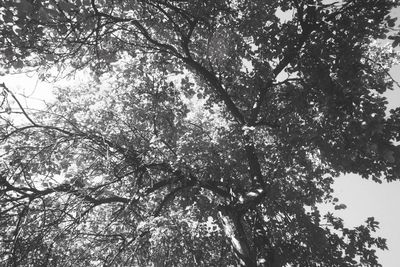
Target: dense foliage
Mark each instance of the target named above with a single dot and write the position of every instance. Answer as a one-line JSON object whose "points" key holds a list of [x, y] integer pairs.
{"points": [[206, 133]]}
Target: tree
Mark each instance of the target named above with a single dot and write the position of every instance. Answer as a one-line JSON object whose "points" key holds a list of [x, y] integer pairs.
{"points": [[207, 133]]}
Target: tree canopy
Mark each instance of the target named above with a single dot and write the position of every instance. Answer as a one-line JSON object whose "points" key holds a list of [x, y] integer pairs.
{"points": [[206, 133]]}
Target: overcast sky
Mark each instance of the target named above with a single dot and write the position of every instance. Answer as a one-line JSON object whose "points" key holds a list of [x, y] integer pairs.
{"points": [[365, 198]]}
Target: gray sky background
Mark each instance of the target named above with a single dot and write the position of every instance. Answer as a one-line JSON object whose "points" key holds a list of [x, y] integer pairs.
{"points": [[365, 198]]}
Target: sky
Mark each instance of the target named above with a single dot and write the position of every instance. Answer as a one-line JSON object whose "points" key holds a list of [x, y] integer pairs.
{"points": [[365, 198]]}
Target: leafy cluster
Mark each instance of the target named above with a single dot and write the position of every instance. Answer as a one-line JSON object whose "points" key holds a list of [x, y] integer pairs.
{"points": [[207, 133]]}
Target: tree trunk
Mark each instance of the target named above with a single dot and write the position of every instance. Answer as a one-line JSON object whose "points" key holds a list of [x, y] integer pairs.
{"points": [[234, 231]]}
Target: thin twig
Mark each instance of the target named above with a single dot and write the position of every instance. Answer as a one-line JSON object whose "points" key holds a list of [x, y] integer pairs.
{"points": [[19, 104]]}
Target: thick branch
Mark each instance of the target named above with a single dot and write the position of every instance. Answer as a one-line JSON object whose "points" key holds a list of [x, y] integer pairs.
{"points": [[146, 34], [290, 54], [218, 88], [254, 164], [234, 231]]}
